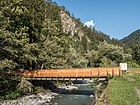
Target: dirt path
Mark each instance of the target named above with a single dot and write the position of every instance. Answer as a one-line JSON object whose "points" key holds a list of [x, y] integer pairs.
{"points": [[137, 91]]}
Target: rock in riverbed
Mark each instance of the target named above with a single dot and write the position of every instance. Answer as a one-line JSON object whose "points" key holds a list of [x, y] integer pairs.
{"points": [[34, 99], [68, 87]]}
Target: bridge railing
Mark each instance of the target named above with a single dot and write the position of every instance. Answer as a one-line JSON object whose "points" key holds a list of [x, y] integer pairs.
{"points": [[73, 72]]}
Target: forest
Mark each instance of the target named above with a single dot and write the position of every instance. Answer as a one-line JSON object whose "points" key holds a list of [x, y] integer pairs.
{"points": [[32, 37]]}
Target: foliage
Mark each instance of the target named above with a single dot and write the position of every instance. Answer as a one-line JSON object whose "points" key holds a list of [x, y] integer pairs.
{"points": [[112, 54], [13, 95], [132, 64], [25, 86], [31, 37], [39, 89]]}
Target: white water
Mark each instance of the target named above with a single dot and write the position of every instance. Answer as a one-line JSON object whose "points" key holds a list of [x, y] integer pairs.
{"points": [[83, 96]]}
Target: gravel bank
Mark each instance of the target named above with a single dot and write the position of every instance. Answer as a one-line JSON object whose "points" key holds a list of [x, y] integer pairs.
{"points": [[34, 99]]}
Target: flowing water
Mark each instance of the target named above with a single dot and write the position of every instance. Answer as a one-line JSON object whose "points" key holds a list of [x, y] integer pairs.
{"points": [[83, 96]]}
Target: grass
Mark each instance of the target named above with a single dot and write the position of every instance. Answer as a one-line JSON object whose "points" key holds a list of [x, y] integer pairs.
{"points": [[124, 90], [131, 69], [121, 92], [136, 77]]}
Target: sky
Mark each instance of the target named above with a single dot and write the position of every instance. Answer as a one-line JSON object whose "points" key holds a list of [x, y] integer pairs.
{"points": [[117, 18]]}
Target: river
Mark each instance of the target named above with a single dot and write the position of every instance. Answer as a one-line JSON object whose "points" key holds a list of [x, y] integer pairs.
{"points": [[84, 95], [75, 94]]}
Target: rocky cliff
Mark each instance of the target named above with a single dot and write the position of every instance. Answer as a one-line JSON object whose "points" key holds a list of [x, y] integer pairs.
{"points": [[69, 25]]}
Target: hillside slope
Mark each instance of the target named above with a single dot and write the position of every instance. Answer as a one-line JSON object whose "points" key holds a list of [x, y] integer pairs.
{"points": [[39, 34], [133, 39]]}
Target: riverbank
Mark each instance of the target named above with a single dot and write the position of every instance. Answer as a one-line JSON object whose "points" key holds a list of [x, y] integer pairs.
{"points": [[42, 98], [69, 94], [124, 90]]}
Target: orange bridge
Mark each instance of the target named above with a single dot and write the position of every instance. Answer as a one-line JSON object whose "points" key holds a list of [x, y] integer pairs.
{"points": [[69, 74]]}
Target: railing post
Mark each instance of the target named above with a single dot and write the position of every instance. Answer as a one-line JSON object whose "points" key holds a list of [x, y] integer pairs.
{"points": [[39, 74], [119, 71], [112, 72], [69, 73], [98, 72], [76, 72], [107, 71], [84, 73], [91, 73]]}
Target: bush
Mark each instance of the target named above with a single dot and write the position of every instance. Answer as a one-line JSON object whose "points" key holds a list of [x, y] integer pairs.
{"points": [[14, 95], [25, 86], [39, 89], [132, 64]]}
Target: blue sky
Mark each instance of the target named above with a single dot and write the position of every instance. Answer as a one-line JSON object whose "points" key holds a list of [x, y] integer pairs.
{"points": [[117, 18]]}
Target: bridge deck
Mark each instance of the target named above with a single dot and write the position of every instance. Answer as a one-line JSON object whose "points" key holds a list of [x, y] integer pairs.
{"points": [[72, 73]]}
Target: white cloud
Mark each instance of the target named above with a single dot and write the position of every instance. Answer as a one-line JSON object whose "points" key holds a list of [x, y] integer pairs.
{"points": [[89, 23]]}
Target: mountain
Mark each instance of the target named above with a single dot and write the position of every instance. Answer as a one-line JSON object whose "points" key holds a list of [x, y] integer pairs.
{"points": [[39, 34], [133, 39]]}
